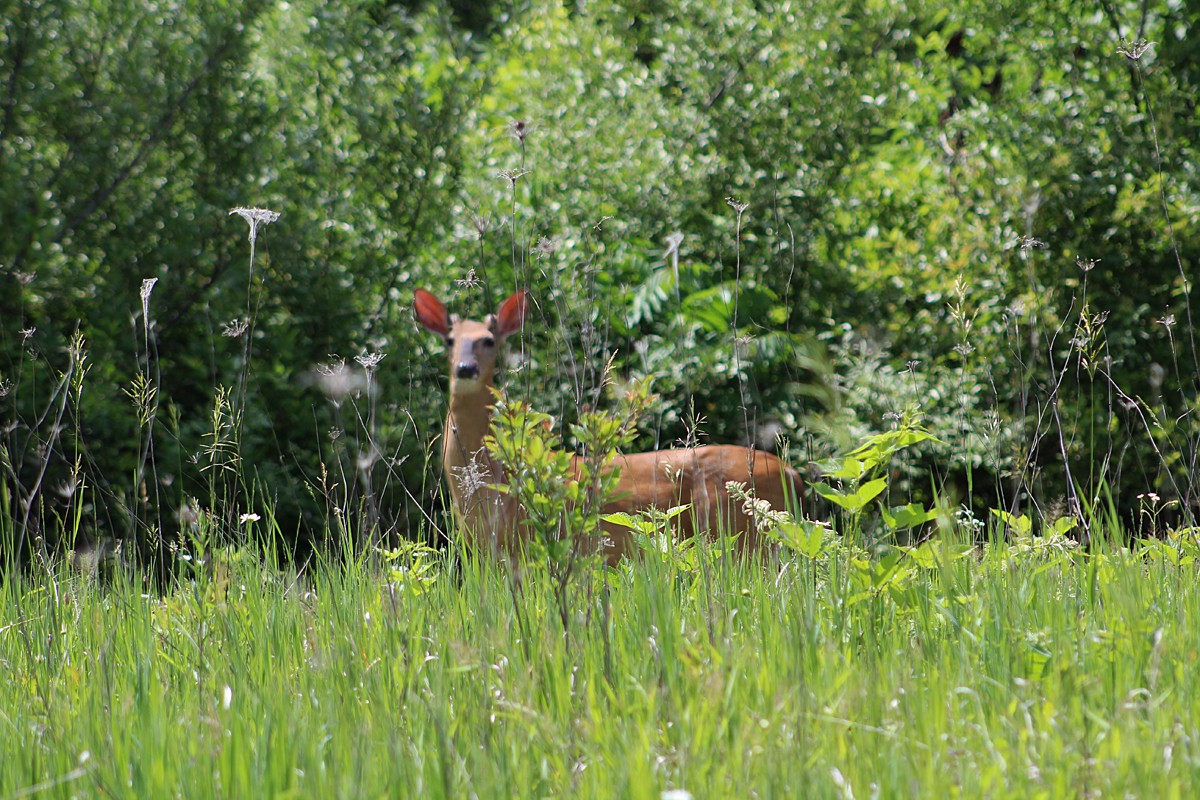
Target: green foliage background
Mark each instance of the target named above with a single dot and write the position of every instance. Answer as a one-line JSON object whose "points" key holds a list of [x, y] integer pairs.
{"points": [[896, 160]]}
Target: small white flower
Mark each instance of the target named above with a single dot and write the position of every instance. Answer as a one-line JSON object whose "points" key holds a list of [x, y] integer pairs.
{"points": [[250, 517]]}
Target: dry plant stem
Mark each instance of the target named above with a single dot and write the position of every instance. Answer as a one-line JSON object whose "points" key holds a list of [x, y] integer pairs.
{"points": [[1162, 190], [149, 418], [255, 218], [1026, 469], [1038, 434], [674, 242], [1187, 303], [30, 496], [751, 452], [487, 284]]}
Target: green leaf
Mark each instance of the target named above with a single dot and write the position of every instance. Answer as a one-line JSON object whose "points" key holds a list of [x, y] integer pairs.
{"points": [[908, 516], [856, 500], [1062, 525], [625, 520], [804, 537], [1022, 525]]}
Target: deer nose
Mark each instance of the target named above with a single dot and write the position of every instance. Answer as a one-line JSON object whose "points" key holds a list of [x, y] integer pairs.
{"points": [[467, 371]]}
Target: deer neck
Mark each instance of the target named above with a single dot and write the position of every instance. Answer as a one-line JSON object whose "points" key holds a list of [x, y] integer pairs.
{"points": [[467, 424]]}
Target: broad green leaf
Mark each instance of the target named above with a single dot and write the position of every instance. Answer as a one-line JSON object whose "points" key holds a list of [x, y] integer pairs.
{"points": [[854, 501], [1021, 525], [908, 516]]}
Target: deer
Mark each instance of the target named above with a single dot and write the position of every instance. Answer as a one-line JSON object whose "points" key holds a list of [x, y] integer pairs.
{"points": [[694, 477]]}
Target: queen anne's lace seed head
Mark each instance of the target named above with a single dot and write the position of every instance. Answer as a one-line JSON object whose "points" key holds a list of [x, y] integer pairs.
{"points": [[473, 477], [546, 246], [370, 361], [235, 327], [673, 242], [255, 217], [1134, 50], [147, 288], [512, 176]]}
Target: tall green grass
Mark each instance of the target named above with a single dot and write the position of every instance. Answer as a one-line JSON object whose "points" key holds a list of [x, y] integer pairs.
{"points": [[1024, 669]]}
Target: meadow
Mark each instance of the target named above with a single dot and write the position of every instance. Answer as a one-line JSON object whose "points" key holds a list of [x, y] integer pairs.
{"points": [[1019, 669], [935, 256]]}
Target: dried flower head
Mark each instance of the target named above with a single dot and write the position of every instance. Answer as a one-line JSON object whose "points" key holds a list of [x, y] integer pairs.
{"points": [[255, 217], [1029, 242], [6, 386], [469, 282], [1086, 264], [25, 278], [1168, 321], [28, 332], [519, 130], [476, 227], [370, 361], [512, 176], [235, 327], [673, 242], [481, 224], [473, 477], [964, 349], [736, 204], [546, 246], [147, 288], [1134, 50]]}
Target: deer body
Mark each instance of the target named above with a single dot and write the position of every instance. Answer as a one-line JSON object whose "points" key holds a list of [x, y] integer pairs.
{"points": [[695, 477]]}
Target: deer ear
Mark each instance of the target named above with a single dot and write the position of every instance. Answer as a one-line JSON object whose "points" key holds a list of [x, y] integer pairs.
{"points": [[511, 316], [430, 313]]}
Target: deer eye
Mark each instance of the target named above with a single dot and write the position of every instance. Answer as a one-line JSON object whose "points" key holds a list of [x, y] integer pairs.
{"points": [[488, 341], [450, 341]]}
